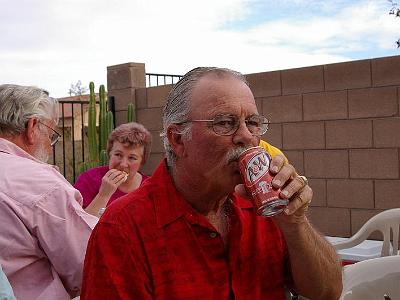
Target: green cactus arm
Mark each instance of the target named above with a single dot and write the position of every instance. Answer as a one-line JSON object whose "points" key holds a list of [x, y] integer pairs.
{"points": [[103, 158], [92, 132], [103, 119], [130, 112], [91, 88]]}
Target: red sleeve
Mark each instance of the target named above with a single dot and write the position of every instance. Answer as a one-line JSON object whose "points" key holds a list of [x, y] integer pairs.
{"points": [[115, 265]]}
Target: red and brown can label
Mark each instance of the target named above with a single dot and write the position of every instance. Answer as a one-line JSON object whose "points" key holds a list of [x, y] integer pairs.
{"points": [[254, 168]]}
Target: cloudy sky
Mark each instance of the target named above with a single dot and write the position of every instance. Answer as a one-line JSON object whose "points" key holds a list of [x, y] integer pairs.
{"points": [[53, 43]]}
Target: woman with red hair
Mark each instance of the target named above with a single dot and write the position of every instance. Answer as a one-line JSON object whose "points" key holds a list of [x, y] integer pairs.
{"points": [[128, 149]]}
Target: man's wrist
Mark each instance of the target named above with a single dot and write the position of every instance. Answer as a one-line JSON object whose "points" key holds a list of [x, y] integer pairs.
{"points": [[295, 226]]}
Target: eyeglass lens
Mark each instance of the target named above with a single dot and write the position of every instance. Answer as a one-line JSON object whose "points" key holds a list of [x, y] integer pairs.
{"points": [[228, 124], [54, 136]]}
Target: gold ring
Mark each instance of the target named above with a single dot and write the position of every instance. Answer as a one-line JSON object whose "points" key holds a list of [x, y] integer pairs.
{"points": [[307, 205], [304, 179], [306, 202]]}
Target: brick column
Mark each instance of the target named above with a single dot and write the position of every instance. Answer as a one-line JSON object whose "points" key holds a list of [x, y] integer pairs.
{"points": [[122, 81]]}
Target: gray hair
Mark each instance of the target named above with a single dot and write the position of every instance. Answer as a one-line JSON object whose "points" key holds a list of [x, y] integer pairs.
{"points": [[19, 103], [177, 106]]}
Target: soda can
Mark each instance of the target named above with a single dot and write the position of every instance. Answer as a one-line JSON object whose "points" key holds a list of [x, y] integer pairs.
{"points": [[254, 168]]}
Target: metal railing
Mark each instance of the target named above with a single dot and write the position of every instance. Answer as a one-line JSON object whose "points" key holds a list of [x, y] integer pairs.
{"points": [[69, 153], [161, 79]]}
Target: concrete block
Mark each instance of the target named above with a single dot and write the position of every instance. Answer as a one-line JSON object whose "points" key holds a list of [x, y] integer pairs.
{"points": [[348, 134], [304, 135], [302, 80], [372, 102], [283, 108], [374, 163], [325, 106], [347, 75]]}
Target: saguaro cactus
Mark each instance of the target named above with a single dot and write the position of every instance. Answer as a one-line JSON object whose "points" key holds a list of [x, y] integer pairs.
{"points": [[98, 140], [131, 110], [103, 133], [103, 158], [92, 132]]}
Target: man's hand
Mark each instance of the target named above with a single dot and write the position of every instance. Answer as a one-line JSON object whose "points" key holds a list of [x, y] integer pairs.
{"points": [[293, 187]]}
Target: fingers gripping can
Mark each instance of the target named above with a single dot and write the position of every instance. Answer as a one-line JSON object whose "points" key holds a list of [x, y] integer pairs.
{"points": [[254, 168]]}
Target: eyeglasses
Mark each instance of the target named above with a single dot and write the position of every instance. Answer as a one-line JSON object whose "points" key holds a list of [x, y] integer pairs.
{"points": [[54, 136], [229, 124]]}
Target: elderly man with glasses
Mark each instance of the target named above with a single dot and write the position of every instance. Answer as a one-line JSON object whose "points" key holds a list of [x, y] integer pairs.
{"points": [[44, 230], [186, 233]]}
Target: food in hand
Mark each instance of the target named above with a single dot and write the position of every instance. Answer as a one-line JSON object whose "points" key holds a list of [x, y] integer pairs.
{"points": [[125, 176]]}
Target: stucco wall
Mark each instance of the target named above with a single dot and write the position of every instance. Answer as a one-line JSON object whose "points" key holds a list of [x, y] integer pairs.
{"points": [[338, 124]]}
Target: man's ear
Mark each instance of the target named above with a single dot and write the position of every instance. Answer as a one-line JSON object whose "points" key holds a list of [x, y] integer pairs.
{"points": [[176, 140], [29, 135]]}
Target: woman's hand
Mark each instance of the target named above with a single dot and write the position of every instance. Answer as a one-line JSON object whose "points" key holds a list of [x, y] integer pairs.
{"points": [[111, 181]]}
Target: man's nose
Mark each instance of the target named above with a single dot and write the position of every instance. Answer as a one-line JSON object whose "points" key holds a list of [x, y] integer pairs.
{"points": [[243, 136]]}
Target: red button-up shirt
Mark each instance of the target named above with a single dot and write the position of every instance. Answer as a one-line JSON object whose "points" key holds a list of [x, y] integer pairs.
{"points": [[151, 244]]}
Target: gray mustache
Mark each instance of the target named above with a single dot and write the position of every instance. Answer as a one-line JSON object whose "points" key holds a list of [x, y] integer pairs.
{"points": [[234, 153]]}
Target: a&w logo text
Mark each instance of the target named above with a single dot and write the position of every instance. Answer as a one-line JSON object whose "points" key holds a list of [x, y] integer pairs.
{"points": [[257, 166]]}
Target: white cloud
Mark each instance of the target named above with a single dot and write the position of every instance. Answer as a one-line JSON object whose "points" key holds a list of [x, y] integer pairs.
{"points": [[352, 29], [57, 42]]}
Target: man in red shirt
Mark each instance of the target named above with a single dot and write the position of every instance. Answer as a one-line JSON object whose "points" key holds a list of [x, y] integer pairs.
{"points": [[185, 234]]}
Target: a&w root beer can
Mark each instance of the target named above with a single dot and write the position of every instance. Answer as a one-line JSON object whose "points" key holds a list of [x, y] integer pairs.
{"points": [[254, 168]]}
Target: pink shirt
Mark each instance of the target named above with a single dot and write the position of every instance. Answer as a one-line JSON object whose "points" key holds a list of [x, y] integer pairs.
{"points": [[44, 230]]}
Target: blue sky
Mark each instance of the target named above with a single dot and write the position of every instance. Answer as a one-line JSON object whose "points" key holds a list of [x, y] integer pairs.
{"points": [[53, 43]]}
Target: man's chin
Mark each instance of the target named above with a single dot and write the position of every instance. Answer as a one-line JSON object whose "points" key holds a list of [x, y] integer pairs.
{"points": [[237, 178], [234, 164]]}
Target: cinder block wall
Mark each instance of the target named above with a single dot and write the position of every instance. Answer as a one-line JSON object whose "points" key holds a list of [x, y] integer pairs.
{"points": [[338, 124]]}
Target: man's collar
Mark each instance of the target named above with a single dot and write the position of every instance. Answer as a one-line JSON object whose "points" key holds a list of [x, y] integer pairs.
{"points": [[9, 147], [170, 204]]}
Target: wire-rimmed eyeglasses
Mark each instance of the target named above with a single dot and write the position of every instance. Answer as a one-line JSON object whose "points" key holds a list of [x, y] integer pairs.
{"points": [[229, 124], [55, 136]]}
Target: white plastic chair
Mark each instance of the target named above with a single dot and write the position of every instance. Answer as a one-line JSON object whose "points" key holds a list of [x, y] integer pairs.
{"points": [[373, 279], [388, 222]]}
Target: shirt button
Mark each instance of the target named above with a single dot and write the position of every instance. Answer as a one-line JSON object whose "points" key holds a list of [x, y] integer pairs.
{"points": [[213, 235]]}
